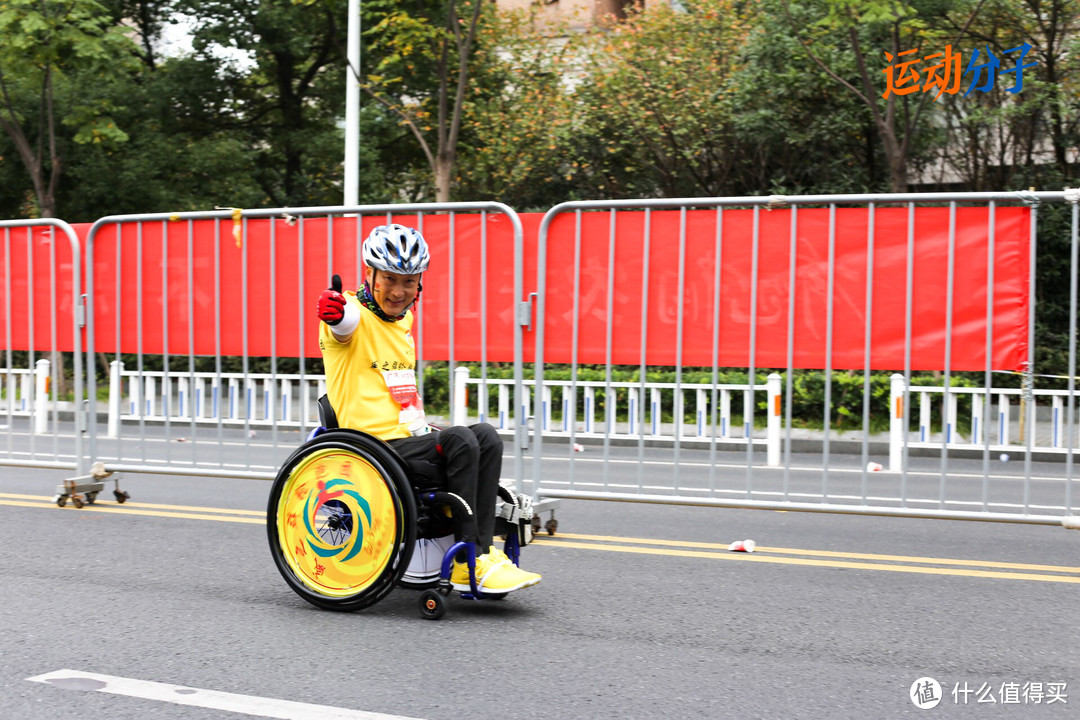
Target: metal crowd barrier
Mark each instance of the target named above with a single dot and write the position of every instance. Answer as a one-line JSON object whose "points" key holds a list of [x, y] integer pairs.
{"points": [[610, 439], [41, 429], [890, 478], [160, 417]]}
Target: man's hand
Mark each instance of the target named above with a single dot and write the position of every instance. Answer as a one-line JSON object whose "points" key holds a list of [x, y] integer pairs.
{"points": [[332, 303]]}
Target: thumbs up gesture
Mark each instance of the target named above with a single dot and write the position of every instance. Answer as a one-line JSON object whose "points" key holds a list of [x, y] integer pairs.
{"points": [[331, 308]]}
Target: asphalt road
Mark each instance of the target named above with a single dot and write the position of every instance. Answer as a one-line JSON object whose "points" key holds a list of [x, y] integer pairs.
{"points": [[643, 613]]}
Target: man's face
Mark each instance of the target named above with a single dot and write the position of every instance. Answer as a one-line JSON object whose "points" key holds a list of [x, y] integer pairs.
{"points": [[393, 292]]}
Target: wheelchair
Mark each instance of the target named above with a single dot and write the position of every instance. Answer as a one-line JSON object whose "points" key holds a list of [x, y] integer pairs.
{"points": [[346, 524]]}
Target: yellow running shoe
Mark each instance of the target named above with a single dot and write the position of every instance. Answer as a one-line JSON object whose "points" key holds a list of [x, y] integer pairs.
{"points": [[494, 575], [497, 554]]}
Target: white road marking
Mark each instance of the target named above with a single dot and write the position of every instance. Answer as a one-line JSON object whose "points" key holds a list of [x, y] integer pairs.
{"points": [[181, 695]]}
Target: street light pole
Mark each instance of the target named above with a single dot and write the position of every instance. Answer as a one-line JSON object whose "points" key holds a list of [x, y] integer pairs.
{"points": [[352, 107]]}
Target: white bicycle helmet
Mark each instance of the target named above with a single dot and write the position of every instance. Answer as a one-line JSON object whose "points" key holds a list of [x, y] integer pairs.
{"points": [[397, 249]]}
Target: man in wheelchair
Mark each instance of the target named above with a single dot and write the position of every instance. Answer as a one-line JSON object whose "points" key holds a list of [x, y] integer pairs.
{"points": [[370, 360]]}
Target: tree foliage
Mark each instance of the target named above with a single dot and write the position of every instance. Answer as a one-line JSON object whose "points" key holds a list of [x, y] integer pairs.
{"points": [[55, 59]]}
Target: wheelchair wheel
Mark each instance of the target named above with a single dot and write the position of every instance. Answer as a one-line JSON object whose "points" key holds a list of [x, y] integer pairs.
{"points": [[341, 520]]}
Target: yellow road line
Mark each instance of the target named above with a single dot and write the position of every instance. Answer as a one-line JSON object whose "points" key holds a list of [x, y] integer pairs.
{"points": [[830, 553], [191, 508], [670, 548], [745, 557], [128, 509]]}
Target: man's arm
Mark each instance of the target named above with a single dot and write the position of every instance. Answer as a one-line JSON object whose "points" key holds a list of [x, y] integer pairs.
{"points": [[336, 311]]}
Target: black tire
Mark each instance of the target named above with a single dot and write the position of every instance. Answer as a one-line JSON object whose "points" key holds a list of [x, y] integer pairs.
{"points": [[121, 496], [400, 514], [432, 605]]}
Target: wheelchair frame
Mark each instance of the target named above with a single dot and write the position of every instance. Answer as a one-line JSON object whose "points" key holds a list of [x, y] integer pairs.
{"points": [[343, 518]]}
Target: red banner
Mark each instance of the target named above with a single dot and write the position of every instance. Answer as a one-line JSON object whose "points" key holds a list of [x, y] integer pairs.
{"points": [[180, 286], [660, 300]]}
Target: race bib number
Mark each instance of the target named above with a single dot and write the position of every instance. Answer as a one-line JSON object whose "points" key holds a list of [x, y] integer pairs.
{"points": [[402, 387]]}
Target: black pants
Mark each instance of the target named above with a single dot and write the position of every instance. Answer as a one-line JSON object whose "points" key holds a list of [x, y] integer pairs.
{"points": [[467, 461]]}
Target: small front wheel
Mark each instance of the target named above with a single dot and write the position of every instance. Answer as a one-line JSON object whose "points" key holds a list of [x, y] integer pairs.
{"points": [[61, 500], [432, 605], [121, 496]]}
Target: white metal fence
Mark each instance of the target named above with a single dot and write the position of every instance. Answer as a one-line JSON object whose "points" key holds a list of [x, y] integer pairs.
{"points": [[935, 464], [46, 251], [713, 443], [563, 408]]}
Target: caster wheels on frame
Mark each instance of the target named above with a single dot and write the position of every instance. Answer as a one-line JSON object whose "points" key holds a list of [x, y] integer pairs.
{"points": [[432, 605]]}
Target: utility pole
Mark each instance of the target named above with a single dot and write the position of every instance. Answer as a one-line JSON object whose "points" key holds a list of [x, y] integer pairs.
{"points": [[352, 107]]}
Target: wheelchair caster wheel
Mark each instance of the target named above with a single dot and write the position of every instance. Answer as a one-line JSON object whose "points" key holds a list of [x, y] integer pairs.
{"points": [[78, 501], [432, 605], [121, 496], [551, 526], [61, 500], [90, 498]]}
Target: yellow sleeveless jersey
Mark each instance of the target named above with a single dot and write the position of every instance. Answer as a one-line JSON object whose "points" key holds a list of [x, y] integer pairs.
{"points": [[363, 373]]}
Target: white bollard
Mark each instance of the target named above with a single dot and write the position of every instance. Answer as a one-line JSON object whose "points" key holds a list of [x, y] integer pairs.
{"points": [[1055, 428], [150, 395], [633, 406], [545, 414], [504, 406], [948, 419], [41, 397], [590, 408], [896, 422], [26, 391], [977, 419], [924, 417], [679, 414], [269, 400], [183, 398], [725, 414], [199, 398], [1003, 419], [654, 410], [772, 386], [482, 402], [747, 408], [702, 411], [116, 391], [460, 413], [569, 408], [286, 394]]}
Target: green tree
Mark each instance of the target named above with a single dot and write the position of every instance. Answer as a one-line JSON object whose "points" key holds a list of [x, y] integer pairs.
{"points": [[52, 54], [655, 101], [998, 138], [834, 33], [278, 60], [519, 121], [794, 131], [424, 57]]}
